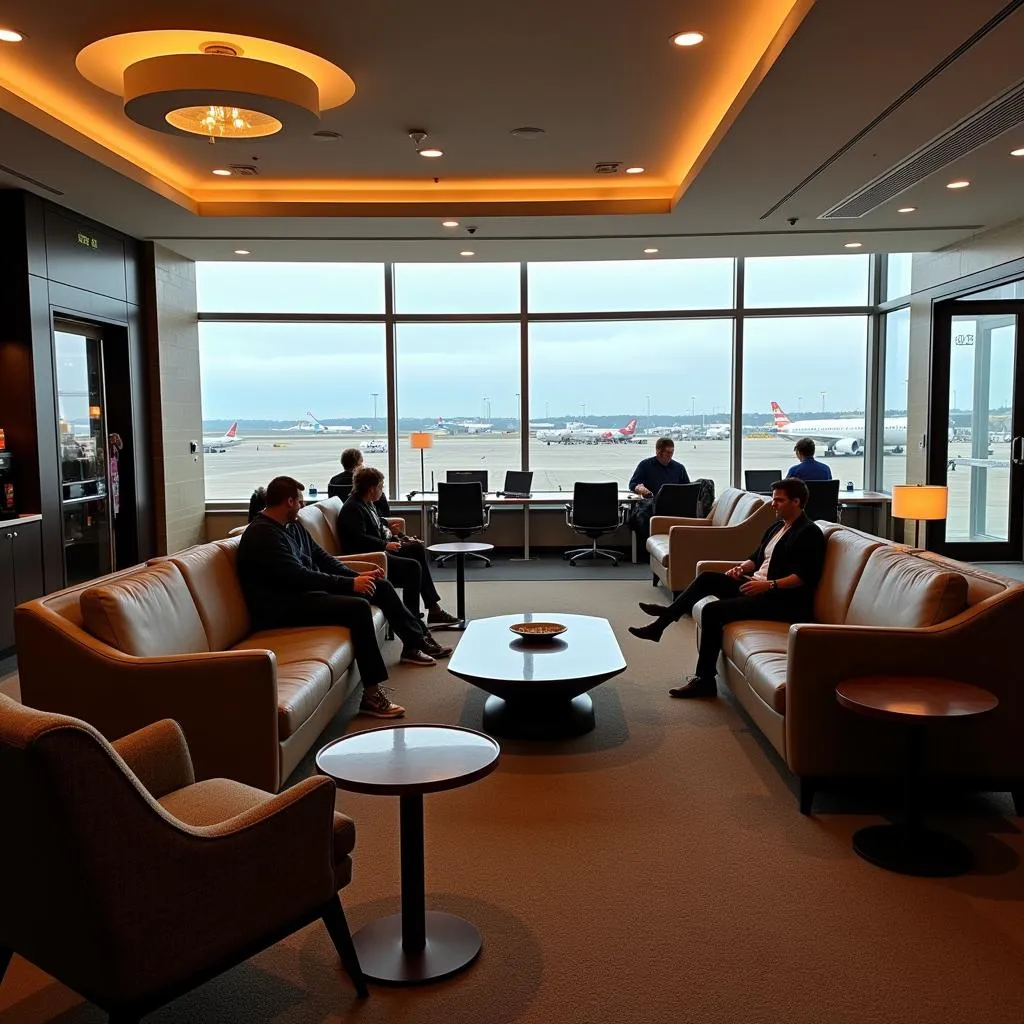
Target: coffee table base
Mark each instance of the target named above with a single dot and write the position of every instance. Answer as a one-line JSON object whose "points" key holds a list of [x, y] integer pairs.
{"points": [[920, 852], [452, 944], [535, 720]]}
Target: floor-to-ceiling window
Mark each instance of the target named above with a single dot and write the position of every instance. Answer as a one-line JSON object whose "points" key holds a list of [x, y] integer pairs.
{"points": [[896, 338]]}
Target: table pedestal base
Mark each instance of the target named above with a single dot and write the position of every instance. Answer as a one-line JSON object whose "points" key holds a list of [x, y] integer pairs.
{"points": [[452, 944], [539, 720], [918, 851]]}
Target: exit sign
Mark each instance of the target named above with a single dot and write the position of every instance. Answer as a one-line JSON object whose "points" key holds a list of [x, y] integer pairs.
{"points": [[88, 241]]}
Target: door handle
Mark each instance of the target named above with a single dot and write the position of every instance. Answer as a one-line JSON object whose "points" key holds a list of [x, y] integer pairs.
{"points": [[1017, 451]]}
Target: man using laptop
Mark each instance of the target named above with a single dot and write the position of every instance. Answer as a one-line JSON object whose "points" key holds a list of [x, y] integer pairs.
{"points": [[647, 479]]}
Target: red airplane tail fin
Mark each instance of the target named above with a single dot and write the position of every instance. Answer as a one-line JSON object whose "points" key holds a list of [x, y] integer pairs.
{"points": [[232, 430], [629, 429], [781, 419]]}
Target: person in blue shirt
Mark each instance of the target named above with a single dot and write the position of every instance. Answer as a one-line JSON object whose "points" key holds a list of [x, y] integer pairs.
{"points": [[648, 478], [808, 467]]}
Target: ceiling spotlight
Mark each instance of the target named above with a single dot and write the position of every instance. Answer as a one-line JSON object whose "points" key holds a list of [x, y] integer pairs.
{"points": [[687, 38], [526, 132], [1017, 152], [906, 209], [241, 252], [449, 223], [635, 170], [8, 35], [853, 245], [419, 137], [467, 252], [649, 251], [222, 172], [962, 183]]}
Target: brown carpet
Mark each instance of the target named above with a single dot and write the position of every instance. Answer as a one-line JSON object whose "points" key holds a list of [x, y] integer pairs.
{"points": [[654, 870]]}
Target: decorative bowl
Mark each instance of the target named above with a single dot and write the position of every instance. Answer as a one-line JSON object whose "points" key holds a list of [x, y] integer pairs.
{"points": [[537, 630]]}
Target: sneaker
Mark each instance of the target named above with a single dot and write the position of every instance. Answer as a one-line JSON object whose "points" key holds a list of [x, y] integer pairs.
{"points": [[376, 703], [439, 617], [434, 649], [414, 656]]}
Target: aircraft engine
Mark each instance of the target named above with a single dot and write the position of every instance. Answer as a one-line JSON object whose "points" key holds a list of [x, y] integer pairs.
{"points": [[848, 446]]}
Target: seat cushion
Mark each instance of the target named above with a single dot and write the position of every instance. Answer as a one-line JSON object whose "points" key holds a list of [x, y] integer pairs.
{"points": [[328, 644], [721, 511], [209, 571], [744, 507], [301, 686], [741, 640], [766, 676], [312, 518], [846, 554], [658, 546]]}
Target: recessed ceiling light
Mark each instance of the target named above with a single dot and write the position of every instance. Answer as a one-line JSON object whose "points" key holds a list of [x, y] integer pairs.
{"points": [[651, 250], [635, 170], [1017, 152], [8, 35], [222, 172], [526, 132], [431, 151], [962, 183], [467, 252], [853, 245], [687, 38], [906, 209], [241, 252], [449, 223]]}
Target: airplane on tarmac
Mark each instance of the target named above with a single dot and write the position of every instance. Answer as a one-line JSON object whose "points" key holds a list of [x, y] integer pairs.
{"points": [[213, 445], [462, 426], [374, 445], [570, 434], [841, 436], [322, 428], [718, 432]]}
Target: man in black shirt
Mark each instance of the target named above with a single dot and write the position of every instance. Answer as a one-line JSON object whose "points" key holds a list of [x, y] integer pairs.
{"points": [[776, 583], [289, 580]]}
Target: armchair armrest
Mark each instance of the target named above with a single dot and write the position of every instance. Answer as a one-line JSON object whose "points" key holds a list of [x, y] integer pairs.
{"points": [[158, 755], [355, 562], [705, 565], [662, 524]]}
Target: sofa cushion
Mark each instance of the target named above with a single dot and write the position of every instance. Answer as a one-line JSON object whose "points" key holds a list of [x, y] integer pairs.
{"points": [[899, 589], [147, 614], [209, 571], [658, 546], [318, 528], [765, 674], [301, 686], [721, 511], [846, 554], [741, 640], [745, 506], [328, 644]]}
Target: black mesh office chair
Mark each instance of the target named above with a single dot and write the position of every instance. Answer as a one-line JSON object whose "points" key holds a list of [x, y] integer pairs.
{"points": [[595, 511], [823, 500], [676, 500], [460, 510]]}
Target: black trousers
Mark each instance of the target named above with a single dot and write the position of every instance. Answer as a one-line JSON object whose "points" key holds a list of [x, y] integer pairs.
{"points": [[732, 606], [318, 608], [409, 569]]}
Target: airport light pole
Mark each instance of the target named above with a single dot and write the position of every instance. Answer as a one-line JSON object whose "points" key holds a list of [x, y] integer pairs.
{"points": [[693, 407], [374, 395], [583, 406], [648, 406], [519, 412], [823, 394], [799, 404]]}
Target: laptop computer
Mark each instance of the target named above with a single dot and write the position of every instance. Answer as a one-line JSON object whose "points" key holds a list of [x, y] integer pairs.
{"points": [[517, 484], [468, 476], [759, 481]]}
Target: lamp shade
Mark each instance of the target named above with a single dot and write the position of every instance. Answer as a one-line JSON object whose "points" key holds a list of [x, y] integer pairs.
{"points": [[919, 501], [420, 440]]}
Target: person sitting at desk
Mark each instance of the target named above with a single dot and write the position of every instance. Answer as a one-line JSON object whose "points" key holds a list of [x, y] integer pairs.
{"points": [[360, 528], [808, 467], [776, 583], [340, 485], [648, 478]]}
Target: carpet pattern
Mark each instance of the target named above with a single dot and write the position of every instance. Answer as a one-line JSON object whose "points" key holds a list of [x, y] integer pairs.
{"points": [[656, 869]]}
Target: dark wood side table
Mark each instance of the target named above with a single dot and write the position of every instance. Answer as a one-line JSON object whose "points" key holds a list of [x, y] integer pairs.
{"points": [[912, 702], [407, 761], [460, 548]]}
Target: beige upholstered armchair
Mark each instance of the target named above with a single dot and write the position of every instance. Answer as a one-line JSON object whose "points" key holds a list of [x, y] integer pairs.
{"points": [[131, 884], [731, 531]]}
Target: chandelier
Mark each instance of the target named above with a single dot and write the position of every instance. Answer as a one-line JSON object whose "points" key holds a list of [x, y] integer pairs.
{"points": [[219, 122]]}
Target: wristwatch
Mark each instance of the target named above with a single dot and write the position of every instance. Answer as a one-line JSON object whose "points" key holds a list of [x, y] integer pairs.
{"points": [[774, 584]]}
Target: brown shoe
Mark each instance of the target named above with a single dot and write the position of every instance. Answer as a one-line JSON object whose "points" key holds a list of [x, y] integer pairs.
{"points": [[439, 617], [414, 656], [434, 649], [377, 704], [696, 686]]}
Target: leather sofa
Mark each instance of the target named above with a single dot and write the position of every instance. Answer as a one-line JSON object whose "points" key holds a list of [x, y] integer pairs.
{"points": [[882, 610], [731, 530], [172, 639], [321, 522]]}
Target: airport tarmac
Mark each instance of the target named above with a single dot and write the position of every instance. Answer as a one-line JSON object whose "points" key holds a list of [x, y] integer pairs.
{"points": [[234, 473]]}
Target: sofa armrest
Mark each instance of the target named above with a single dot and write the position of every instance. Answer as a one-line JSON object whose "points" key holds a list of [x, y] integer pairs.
{"points": [[716, 566], [662, 524], [158, 756], [376, 558], [396, 524]]}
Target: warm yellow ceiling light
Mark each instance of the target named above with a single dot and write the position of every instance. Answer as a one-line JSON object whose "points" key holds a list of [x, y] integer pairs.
{"points": [[467, 252], [8, 35], [635, 170], [223, 122], [907, 209], [241, 252], [853, 245], [962, 183], [1017, 152], [687, 38], [222, 172], [449, 223], [650, 251]]}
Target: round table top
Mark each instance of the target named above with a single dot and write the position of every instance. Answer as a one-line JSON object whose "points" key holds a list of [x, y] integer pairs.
{"points": [[465, 547], [913, 698], [407, 759]]}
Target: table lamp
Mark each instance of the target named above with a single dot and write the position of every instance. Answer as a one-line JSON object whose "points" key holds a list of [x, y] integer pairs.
{"points": [[919, 502], [421, 441]]}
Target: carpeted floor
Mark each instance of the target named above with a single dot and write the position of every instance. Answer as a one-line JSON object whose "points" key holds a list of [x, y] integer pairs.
{"points": [[504, 568], [656, 870]]}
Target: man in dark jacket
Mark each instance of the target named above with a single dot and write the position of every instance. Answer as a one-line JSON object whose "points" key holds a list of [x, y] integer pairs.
{"points": [[289, 580], [776, 583], [360, 528]]}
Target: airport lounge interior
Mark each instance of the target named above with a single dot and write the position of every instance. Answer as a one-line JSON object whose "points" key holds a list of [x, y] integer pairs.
{"points": [[497, 500]]}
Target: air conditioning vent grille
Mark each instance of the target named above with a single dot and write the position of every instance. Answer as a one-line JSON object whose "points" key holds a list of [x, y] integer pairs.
{"points": [[243, 170]]}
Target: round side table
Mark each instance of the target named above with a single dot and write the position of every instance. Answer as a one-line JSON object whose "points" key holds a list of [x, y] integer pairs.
{"points": [[460, 548], [407, 761], [912, 702]]}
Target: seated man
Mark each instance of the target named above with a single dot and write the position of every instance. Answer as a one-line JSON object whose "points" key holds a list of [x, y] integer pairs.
{"points": [[289, 580], [807, 467], [647, 480], [360, 528], [776, 583]]}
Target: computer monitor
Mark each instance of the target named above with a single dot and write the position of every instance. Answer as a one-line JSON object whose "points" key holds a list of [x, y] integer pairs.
{"points": [[517, 482], [468, 476], [759, 481]]}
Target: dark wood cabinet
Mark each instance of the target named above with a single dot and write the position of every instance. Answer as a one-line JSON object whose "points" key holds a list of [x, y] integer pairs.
{"points": [[21, 571]]}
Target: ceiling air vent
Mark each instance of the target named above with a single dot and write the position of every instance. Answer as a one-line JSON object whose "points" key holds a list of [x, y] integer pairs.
{"points": [[243, 170], [609, 167], [974, 131]]}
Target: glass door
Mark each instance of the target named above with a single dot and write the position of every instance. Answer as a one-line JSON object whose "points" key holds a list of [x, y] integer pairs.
{"points": [[977, 432]]}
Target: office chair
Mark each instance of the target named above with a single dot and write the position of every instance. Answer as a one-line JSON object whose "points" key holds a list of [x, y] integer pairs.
{"points": [[823, 500], [595, 511], [676, 500], [339, 491], [460, 510]]}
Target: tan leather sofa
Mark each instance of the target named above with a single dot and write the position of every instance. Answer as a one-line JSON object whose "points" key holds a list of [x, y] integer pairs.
{"points": [[172, 639], [731, 530], [321, 521], [881, 610]]}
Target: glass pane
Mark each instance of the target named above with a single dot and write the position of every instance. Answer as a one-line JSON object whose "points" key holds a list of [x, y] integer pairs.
{"points": [[897, 274], [602, 393], [980, 389], [805, 377], [290, 287], [1011, 290], [897, 372], [80, 415], [806, 281], [297, 395], [457, 287], [627, 285], [459, 383]]}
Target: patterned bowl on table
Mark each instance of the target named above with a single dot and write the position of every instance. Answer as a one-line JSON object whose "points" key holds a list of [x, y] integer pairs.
{"points": [[537, 631]]}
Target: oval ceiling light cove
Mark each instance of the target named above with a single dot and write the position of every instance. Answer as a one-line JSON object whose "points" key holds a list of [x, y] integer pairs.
{"points": [[10, 35]]}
